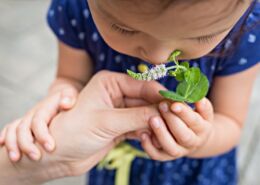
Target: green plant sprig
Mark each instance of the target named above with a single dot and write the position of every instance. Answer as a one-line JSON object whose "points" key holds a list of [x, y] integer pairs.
{"points": [[193, 84]]}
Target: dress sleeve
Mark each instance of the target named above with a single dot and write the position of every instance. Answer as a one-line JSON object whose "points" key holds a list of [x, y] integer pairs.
{"points": [[65, 19], [247, 53]]}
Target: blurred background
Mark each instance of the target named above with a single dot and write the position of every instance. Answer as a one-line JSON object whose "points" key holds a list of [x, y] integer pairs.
{"points": [[27, 66]]}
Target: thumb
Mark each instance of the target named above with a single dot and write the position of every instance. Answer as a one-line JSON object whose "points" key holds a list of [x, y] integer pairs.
{"points": [[121, 121]]}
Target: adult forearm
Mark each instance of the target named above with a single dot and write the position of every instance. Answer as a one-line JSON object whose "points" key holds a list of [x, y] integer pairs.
{"points": [[225, 136]]}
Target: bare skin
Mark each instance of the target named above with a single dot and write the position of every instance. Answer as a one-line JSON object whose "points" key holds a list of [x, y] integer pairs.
{"points": [[195, 29]]}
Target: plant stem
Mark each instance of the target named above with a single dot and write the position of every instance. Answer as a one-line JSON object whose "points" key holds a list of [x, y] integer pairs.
{"points": [[176, 67]]}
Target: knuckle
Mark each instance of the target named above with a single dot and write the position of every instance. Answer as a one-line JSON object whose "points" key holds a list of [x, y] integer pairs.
{"points": [[174, 153], [186, 139], [145, 114]]}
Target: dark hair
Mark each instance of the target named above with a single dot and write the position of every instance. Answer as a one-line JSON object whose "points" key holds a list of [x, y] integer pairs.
{"points": [[236, 37]]}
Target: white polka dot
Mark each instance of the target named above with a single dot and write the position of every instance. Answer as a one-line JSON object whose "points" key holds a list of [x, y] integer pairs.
{"points": [[195, 64], [168, 165], [139, 162], [61, 31], [133, 68], [251, 38], [86, 13], [102, 57], [118, 58], [185, 168], [81, 36], [195, 164], [200, 177], [60, 8], [176, 176], [220, 68], [95, 36], [51, 13], [242, 61], [228, 44], [73, 22], [213, 67]]}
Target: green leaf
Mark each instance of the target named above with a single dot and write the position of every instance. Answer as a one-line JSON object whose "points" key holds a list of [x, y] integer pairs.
{"points": [[173, 56], [172, 96], [192, 76], [134, 75], [172, 73], [193, 92], [179, 75], [185, 64]]}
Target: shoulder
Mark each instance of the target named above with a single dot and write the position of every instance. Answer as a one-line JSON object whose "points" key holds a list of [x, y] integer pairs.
{"points": [[241, 47]]}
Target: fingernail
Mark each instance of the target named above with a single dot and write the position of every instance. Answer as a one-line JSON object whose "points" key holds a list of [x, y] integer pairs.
{"points": [[66, 100], [143, 136], [34, 156], [48, 146], [176, 108], [156, 123], [202, 102], [163, 107], [12, 155]]}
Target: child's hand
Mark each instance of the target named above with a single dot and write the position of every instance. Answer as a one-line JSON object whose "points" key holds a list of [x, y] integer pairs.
{"points": [[183, 132], [19, 136]]}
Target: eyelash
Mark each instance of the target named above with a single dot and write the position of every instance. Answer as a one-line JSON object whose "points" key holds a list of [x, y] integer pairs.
{"points": [[123, 31], [204, 39]]}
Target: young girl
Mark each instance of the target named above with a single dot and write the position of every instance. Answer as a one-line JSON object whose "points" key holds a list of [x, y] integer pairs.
{"points": [[222, 38]]}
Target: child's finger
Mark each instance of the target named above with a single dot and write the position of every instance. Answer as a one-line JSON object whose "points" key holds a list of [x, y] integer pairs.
{"points": [[152, 151], [191, 118], [164, 137], [11, 141], [41, 132], [156, 142], [2, 136], [25, 139], [205, 109], [68, 98], [181, 132]]}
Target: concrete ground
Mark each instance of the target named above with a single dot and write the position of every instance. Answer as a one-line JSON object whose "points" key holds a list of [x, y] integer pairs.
{"points": [[27, 66]]}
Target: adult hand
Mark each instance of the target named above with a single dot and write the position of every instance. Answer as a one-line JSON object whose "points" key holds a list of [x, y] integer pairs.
{"points": [[98, 121]]}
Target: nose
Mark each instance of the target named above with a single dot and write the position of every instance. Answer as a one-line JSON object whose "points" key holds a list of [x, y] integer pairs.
{"points": [[155, 54]]}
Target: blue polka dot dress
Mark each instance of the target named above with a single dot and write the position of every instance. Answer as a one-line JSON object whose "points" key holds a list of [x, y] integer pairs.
{"points": [[72, 23]]}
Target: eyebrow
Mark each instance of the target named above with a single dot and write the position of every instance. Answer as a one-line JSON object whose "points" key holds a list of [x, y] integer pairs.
{"points": [[103, 11]]}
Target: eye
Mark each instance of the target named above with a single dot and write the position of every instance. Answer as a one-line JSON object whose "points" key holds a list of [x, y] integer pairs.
{"points": [[205, 39], [122, 30]]}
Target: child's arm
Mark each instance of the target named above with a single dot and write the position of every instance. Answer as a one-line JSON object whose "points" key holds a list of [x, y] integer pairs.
{"points": [[204, 133], [74, 70], [230, 97]]}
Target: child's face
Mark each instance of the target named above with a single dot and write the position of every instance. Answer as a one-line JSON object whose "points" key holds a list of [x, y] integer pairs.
{"points": [[194, 27]]}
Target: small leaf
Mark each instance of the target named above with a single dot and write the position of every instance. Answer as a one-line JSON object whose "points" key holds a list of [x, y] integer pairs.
{"points": [[172, 96], [185, 64], [193, 92], [192, 76], [134, 75], [173, 56], [179, 75], [172, 73]]}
